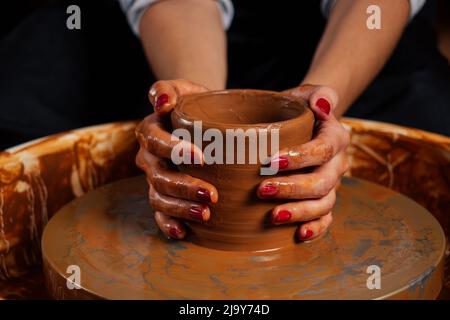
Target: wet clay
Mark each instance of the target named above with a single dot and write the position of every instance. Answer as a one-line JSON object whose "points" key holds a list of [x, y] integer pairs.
{"points": [[240, 220], [111, 235], [412, 162]]}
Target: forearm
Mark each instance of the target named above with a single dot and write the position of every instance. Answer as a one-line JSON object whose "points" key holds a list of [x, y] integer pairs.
{"points": [[349, 55], [185, 39]]}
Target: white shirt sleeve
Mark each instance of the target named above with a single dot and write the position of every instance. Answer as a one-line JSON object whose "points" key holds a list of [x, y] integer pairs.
{"points": [[134, 9], [414, 7]]}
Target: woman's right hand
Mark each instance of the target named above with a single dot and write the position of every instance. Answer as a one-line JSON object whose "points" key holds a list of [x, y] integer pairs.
{"points": [[173, 195]]}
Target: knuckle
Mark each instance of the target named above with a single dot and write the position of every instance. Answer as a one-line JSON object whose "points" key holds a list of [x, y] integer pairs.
{"points": [[151, 142], [150, 130], [138, 129], [333, 197], [346, 164], [328, 151], [140, 136], [329, 220], [326, 222], [329, 205], [324, 186], [166, 185], [153, 198], [156, 179], [345, 137], [320, 141]]}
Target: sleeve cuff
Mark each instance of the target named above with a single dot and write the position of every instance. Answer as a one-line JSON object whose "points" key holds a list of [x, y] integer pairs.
{"points": [[414, 7], [227, 12], [134, 9]]}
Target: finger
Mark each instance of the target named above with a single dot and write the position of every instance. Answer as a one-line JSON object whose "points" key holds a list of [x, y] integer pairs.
{"points": [[322, 100], [155, 139], [173, 183], [306, 186], [306, 210], [330, 140], [178, 208], [316, 228], [164, 94], [171, 228]]}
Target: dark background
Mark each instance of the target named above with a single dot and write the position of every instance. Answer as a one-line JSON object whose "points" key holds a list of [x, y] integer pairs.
{"points": [[54, 79]]}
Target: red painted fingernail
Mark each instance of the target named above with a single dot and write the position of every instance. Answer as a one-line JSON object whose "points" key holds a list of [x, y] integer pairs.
{"points": [[282, 161], [196, 212], [283, 216], [175, 232], [268, 190], [203, 195], [323, 105], [161, 100], [308, 234]]}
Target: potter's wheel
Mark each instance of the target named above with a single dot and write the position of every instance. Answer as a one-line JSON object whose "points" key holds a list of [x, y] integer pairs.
{"points": [[111, 236]]}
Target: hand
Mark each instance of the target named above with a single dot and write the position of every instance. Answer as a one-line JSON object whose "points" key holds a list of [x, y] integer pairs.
{"points": [[172, 194], [317, 189]]}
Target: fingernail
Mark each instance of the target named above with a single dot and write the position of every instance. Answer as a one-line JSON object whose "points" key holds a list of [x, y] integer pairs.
{"points": [[203, 195], [161, 100], [283, 216], [268, 190], [308, 234], [282, 162], [175, 232], [196, 212], [323, 105]]}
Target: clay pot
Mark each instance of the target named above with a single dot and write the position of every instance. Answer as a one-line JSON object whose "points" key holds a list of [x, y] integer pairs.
{"points": [[240, 221]]}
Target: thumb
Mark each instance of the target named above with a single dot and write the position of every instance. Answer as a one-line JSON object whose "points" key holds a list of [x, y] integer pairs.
{"points": [[322, 100], [164, 94]]}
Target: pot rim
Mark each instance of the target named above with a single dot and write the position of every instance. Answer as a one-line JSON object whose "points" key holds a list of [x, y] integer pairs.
{"points": [[261, 125]]}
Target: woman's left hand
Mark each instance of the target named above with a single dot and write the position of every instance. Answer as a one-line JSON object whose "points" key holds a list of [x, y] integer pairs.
{"points": [[316, 191]]}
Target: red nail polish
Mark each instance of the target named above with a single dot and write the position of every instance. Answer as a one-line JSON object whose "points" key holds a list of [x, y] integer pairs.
{"points": [[203, 195], [268, 190], [282, 161], [196, 212], [174, 232], [308, 234], [283, 216], [161, 100], [323, 105]]}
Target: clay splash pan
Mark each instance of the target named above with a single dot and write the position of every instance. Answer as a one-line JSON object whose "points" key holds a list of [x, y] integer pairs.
{"points": [[110, 235]]}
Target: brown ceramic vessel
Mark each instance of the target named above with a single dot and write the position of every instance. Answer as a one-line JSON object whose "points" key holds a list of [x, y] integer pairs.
{"points": [[240, 220]]}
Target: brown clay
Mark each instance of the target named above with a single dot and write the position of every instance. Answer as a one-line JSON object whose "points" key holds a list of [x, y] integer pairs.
{"points": [[39, 177], [240, 220], [413, 162], [110, 234]]}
